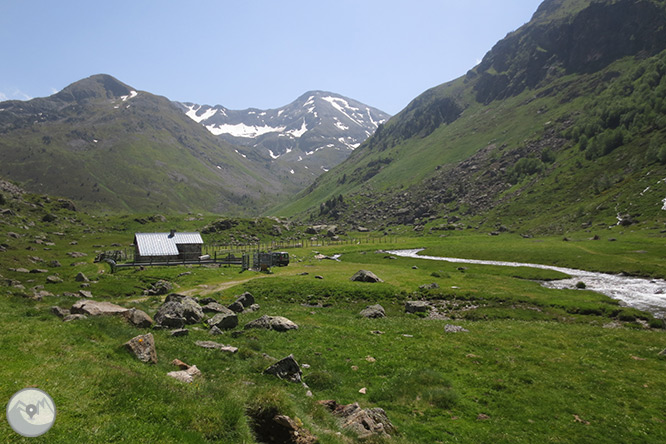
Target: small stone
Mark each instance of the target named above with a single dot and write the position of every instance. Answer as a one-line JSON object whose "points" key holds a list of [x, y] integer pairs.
{"points": [[143, 347], [363, 391], [180, 332], [60, 312], [377, 332], [365, 276], [53, 279], [80, 277], [448, 328], [224, 321], [216, 346], [417, 306], [277, 323], [370, 359], [186, 375], [482, 417], [85, 294], [246, 299], [214, 331], [74, 317], [180, 364], [319, 277], [138, 318]]}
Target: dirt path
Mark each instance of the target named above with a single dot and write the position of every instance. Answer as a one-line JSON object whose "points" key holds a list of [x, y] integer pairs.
{"points": [[206, 289]]}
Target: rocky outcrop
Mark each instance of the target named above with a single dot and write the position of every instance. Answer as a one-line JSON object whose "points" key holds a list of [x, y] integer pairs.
{"points": [[138, 318], [277, 323], [178, 310], [96, 308], [417, 307]]}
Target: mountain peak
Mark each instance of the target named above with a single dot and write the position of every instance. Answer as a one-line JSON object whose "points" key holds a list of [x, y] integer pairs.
{"points": [[97, 86]]}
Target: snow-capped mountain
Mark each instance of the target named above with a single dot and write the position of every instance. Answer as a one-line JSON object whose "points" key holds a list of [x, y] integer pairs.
{"points": [[304, 139]]}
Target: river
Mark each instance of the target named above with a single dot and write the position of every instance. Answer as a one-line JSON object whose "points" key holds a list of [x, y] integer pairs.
{"points": [[644, 294]]}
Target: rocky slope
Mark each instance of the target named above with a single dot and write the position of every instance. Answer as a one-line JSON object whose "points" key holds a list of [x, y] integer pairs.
{"points": [[299, 141], [561, 124]]}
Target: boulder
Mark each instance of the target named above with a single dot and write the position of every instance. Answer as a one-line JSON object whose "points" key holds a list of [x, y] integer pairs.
{"points": [[138, 318], [97, 308], [236, 307], [213, 307], [365, 276], [53, 279], [192, 311], [160, 287], [216, 346], [246, 299], [80, 277], [277, 323], [170, 314], [143, 347], [224, 321], [417, 307], [365, 423], [373, 311], [214, 331], [286, 368]]}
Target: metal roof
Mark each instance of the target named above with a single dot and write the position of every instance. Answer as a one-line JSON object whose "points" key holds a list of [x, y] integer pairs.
{"points": [[164, 244]]}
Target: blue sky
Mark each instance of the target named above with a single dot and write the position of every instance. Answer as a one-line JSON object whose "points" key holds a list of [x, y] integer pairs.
{"points": [[251, 53]]}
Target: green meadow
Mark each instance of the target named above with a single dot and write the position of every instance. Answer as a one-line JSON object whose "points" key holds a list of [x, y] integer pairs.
{"points": [[537, 365]]}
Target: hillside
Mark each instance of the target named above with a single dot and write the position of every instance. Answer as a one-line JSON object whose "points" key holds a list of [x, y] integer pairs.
{"points": [[109, 147], [299, 141], [561, 124]]}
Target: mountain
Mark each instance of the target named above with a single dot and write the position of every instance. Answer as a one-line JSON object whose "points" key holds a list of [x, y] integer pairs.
{"points": [[305, 138], [110, 147], [561, 125]]}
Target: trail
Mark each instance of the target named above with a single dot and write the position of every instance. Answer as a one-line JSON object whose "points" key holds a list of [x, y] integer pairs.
{"points": [[205, 289], [643, 294]]}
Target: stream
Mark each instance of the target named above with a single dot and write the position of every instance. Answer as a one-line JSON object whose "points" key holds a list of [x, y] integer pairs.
{"points": [[641, 293]]}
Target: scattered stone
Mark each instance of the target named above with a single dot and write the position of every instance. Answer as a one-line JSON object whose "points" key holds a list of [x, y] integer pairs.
{"points": [[160, 287], [53, 280], [214, 331], [224, 321], [370, 359], [373, 311], [318, 276], [246, 299], [365, 276], [180, 364], [432, 286], [414, 267], [143, 347], [216, 346], [236, 307], [60, 312], [97, 308], [366, 423], [663, 352], [363, 391], [170, 314], [85, 294], [187, 375], [377, 332], [252, 308], [186, 273], [180, 332], [277, 323], [55, 264], [417, 307], [448, 328], [138, 318], [20, 270], [286, 368], [74, 317], [38, 271], [213, 307], [482, 417], [76, 254], [80, 277]]}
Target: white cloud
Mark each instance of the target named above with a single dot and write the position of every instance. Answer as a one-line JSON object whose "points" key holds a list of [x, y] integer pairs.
{"points": [[3, 97]]}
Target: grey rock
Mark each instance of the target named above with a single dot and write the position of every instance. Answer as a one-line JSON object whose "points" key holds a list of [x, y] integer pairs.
{"points": [[160, 287], [373, 311], [286, 368], [80, 277], [180, 332], [224, 321], [138, 318], [213, 307], [365, 276], [365, 423], [143, 347], [60, 312], [236, 307], [214, 331], [85, 294], [432, 286], [216, 346], [53, 279], [252, 308], [448, 328], [277, 323], [186, 376], [417, 307], [97, 308], [170, 314], [246, 299], [74, 317]]}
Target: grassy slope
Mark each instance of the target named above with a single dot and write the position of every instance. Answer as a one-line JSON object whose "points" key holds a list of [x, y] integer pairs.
{"points": [[537, 367]]}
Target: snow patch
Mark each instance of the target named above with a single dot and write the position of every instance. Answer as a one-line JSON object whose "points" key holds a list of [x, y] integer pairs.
{"points": [[342, 106], [291, 171], [219, 167], [300, 158], [273, 156], [664, 206], [131, 95], [341, 125], [243, 130], [324, 169], [192, 113], [95, 140], [299, 132], [238, 152]]}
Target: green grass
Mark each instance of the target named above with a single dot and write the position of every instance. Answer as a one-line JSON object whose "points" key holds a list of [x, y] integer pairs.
{"points": [[538, 363]]}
